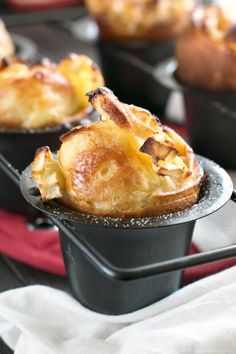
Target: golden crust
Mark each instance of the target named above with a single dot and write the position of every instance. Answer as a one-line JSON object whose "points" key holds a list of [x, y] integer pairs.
{"points": [[206, 50], [46, 94], [108, 169], [83, 74], [140, 19], [6, 45], [136, 119]]}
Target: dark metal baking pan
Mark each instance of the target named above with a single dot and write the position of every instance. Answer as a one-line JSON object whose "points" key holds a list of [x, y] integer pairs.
{"points": [[128, 70], [211, 116], [118, 265], [19, 146]]}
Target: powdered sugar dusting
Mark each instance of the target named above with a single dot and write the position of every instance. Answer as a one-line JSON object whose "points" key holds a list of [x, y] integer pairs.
{"points": [[216, 191]]}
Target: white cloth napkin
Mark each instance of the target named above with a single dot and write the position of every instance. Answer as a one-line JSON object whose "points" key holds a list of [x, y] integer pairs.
{"points": [[198, 319]]}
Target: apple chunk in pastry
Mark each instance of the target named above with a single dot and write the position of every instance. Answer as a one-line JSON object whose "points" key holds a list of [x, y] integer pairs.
{"points": [[126, 164]]}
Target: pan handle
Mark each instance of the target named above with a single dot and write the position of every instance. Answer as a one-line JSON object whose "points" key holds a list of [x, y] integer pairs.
{"points": [[116, 273]]}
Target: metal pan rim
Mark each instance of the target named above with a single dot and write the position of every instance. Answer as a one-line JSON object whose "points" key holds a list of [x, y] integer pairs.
{"points": [[216, 191], [86, 114]]}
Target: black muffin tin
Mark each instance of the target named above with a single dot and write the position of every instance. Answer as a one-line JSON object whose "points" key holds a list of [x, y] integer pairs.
{"points": [[210, 116], [19, 146], [119, 265], [128, 71]]}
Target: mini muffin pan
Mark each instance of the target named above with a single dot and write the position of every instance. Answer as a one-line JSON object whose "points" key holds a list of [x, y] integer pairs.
{"points": [[18, 146], [119, 265], [210, 115]]}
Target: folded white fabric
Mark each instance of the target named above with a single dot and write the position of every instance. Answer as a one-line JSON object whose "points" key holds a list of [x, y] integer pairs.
{"points": [[198, 319]]}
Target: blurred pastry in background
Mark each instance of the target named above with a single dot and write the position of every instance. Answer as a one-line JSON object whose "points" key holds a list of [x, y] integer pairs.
{"points": [[126, 164], [133, 33], [206, 50], [6, 44], [140, 19], [46, 94]]}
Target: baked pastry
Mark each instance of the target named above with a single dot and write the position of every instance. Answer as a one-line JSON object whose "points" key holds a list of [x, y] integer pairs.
{"points": [[206, 50], [140, 19], [46, 94], [127, 164], [6, 44]]}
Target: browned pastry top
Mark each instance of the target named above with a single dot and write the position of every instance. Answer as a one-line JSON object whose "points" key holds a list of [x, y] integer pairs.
{"points": [[46, 94], [206, 50], [153, 20], [126, 164]]}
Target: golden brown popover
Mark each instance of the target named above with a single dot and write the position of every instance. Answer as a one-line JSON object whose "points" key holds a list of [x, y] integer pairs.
{"points": [[126, 164], [206, 50], [140, 19], [46, 94], [6, 44]]}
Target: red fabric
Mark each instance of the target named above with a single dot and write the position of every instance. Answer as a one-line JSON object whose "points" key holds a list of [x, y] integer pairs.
{"points": [[41, 249], [198, 272], [22, 5]]}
